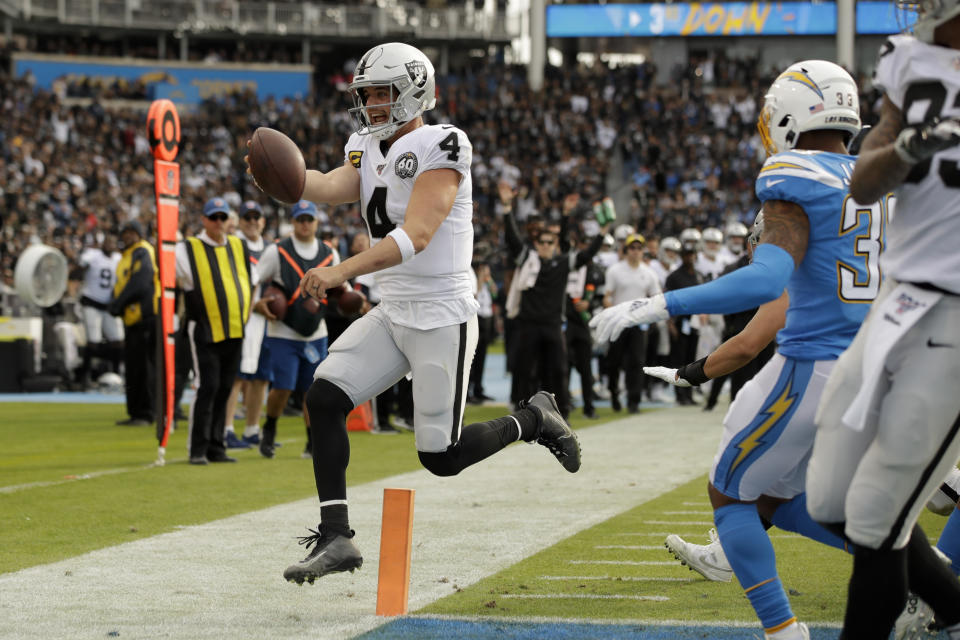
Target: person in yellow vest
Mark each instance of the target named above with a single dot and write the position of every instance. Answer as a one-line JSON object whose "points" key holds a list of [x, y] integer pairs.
{"points": [[136, 295], [215, 272]]}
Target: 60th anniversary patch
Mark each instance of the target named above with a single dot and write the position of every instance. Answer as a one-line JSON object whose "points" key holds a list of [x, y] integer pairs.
{"points": [[406, 165]]}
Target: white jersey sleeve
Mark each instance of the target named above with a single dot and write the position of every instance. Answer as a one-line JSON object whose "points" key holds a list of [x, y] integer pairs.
{"points": [[892, 55], [923, 82], [447, 148]]}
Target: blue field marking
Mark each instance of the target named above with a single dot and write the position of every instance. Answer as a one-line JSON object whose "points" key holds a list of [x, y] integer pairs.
{"points": [[445, 628]]}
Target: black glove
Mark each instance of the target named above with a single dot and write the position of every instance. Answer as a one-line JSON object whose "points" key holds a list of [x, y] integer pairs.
{"points": [[114, 309], [918, 142]]}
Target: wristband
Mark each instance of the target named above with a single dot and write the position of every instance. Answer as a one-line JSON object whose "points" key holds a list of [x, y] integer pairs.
{"points": [[404, 243], [693, 372]]}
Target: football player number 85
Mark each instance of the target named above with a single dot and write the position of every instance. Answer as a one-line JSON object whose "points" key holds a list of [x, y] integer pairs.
{"points": [[861, 282], [934, 94]]}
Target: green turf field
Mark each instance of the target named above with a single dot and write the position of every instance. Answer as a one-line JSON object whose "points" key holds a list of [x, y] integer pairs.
{"points": [[72, 482]]}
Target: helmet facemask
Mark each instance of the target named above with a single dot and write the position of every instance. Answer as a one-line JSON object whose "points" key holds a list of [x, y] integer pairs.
{"points": [[396, 112], [930, 15], [407, 73]]}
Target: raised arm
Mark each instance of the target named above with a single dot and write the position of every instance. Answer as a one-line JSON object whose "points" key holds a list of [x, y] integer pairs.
{"points": [[892, 149], [879, 168], [335, 187]]}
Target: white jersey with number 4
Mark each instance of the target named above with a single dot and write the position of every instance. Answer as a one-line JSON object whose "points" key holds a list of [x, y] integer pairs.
{"points": [[433, 288], [923, 81]]}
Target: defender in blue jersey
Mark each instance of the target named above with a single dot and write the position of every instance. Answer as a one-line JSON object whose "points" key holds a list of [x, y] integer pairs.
{"points": [[821, 247]]}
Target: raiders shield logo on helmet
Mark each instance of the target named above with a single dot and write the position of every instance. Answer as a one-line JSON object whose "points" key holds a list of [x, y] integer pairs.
{"points": [[418, 72]]}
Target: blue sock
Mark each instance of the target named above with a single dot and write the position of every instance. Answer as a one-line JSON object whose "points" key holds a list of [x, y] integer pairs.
{"points": [[793, 516], [750, 554], [949, 541]]}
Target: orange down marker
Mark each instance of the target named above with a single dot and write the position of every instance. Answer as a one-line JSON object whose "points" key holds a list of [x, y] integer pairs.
{"points": [[396, 542]]}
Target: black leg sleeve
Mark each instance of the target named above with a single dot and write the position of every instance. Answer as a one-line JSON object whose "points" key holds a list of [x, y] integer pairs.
{"points": [[328, 406], [477, 441], [930, 579], [877, 593]]}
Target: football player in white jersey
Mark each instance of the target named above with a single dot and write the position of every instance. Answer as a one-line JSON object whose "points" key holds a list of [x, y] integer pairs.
{"points": [[104, 332], [414, 187], [889, 420]]}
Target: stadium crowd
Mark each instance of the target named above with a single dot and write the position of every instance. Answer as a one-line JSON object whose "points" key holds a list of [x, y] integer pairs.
{"points": [[73, 171]]}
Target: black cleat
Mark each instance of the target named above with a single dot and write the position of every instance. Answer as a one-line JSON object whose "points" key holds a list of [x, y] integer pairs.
{"points": [[268, 436], [332, 553], [553, 432]]}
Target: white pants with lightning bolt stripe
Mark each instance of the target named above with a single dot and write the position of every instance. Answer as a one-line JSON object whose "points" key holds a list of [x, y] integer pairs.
{"points": [[768, 431]]}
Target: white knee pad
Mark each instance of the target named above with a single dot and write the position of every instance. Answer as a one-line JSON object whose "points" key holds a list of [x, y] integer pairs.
{"points": [[433, 407]]}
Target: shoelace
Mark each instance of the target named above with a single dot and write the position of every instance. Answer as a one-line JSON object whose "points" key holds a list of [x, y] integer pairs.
{"points": [[318, 536]]}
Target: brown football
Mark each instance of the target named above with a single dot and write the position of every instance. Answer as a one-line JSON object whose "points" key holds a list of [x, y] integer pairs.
{"points": [[277, 165], [276, 300], [350, 303]]}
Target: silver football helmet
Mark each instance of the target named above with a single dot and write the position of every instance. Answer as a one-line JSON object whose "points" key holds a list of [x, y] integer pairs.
{"points": [[757, 230], [809, 95], [712, 238], [690, 239], [930, 15], [736, 237], [413, 84], [622, 231], [670, 244]]}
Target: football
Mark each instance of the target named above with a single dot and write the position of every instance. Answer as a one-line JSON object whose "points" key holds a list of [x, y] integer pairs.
{"points": [[276, 300], [350, 303], [277, 165]]}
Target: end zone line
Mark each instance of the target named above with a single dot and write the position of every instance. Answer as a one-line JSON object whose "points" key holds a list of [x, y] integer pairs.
{"points": [[750, 624]]}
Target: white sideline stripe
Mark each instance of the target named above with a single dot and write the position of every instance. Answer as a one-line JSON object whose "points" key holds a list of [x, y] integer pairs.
{"points": [[641, 547], [581, 596], [619, 622], [633, 563], [687, 513], [619, 578], [690, 503], [699, 523], [209, 581], [14, 488]]}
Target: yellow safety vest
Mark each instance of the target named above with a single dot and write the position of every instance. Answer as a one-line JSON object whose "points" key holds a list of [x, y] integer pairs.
{"points": [[133, 312], [221, 288]]}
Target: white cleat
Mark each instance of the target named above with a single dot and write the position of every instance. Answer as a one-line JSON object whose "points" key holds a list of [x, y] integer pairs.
{"points": [[914, 622], [796, 631], [708, 560]]}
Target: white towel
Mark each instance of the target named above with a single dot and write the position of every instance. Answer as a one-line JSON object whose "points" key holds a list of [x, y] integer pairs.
{"points": [[252, 341], [889, 322], [525, 277]]}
